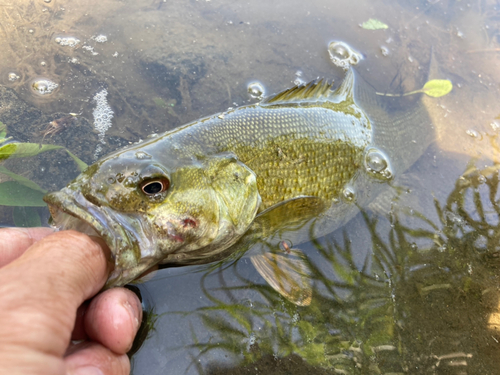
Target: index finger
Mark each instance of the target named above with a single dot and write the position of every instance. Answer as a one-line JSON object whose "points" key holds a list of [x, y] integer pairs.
{"points": [[15, 241]]}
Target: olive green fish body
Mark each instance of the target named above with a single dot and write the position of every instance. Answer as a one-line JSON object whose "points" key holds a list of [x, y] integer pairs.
{"points": [[196, 193], [300, 149]]}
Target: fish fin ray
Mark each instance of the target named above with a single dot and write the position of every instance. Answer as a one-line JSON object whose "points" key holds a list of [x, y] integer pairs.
{"points": [[317, 90], [288, 274], [292, 213]]}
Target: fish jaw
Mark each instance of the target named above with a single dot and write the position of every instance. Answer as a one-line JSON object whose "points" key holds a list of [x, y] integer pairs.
{"points": [[125, 235]]}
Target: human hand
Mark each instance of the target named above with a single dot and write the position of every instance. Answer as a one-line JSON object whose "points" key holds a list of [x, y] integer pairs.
{"points": [[45, 278]]}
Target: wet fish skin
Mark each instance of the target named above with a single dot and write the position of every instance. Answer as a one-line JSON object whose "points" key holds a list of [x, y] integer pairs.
{"points": [[225, 170]]}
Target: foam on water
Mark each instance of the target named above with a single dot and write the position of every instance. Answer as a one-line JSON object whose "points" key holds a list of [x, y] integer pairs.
{"points": [[100, 38], [102, 117]]}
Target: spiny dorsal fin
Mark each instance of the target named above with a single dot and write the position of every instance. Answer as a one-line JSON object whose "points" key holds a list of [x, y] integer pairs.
{"points": [[346, 90], [314, 91]]}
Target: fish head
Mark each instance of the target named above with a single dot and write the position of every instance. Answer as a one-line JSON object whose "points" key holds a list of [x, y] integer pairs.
{"points": [[150, 211]]}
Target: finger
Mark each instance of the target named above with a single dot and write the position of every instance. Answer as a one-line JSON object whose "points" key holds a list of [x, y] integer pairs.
{"points": [[15, 241], [89, 357], [113, 319], [42, 289]]}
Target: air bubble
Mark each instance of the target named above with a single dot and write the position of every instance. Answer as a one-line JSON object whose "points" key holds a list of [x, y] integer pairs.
{"points": [[481, 179], [31, 31], [90, 49], [342, 55], [141, 155], [298, 78], [349, 194], [44, 86], [100, 38], [298, 81], [472, 133], [251, 341], [377, 164], [384, 51], [256, 90], [13, 77], [69, 41], [47, 1], [495, 125]]}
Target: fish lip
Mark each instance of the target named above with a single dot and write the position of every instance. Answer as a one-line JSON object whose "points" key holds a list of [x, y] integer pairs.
{"points": [[61, 202], [73, 203]]}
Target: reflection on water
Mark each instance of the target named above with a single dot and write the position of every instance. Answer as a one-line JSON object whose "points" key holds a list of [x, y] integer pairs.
{"points": [[414, 293]]}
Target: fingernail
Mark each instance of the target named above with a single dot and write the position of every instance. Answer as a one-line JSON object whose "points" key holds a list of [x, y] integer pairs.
{"points": [[87, 370]]}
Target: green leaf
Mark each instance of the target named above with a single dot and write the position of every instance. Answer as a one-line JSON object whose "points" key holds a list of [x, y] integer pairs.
{"points": [[79, 163], [159, 102], [21, 150], [12, 193], [3, 130], [22, 180], [437, 87], [373, 24], [26, 217]]}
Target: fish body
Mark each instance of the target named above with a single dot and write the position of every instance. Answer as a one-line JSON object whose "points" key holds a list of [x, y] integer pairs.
{"points": [[295, 165]]}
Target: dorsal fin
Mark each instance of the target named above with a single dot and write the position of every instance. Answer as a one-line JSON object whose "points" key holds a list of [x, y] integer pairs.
{"points": [[346, 90], [314, 91]]}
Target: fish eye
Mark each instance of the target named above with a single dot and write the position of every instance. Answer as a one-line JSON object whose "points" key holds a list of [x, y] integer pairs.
{"points": [[152, 187]]}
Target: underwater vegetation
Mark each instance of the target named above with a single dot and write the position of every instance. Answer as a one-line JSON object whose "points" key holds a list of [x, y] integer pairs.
{"points": [[424, 300], [18, 191]]}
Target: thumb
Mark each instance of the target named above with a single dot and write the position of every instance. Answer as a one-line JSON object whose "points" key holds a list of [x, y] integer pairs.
{"points": [[42, 289]]}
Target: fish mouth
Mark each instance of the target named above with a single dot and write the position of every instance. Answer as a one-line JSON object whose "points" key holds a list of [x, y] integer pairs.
{"points": [[124, 234]]}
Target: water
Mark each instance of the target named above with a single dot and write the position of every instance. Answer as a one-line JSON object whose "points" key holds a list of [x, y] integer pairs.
{"points": [[410, 286]]}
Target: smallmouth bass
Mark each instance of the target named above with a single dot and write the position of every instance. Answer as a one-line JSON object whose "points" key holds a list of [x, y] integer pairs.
{"points": [[256, 177]]}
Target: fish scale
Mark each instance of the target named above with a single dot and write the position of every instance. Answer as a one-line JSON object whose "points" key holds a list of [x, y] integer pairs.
{"points": [[288, 155], [294, 167]]}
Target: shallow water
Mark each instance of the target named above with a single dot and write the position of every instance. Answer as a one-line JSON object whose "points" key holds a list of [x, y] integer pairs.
{"points": [[411, 286]]}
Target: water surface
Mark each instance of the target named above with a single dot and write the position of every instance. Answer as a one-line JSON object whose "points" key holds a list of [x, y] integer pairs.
{"points": [[408, 286]]}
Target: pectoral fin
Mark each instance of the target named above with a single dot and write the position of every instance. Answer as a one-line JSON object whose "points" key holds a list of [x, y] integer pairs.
{"points": [[287, 273], [289, 215]]}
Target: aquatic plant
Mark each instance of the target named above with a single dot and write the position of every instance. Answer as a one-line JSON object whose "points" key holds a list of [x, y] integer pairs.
{"points": [[419, 303], [19, 191]]}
